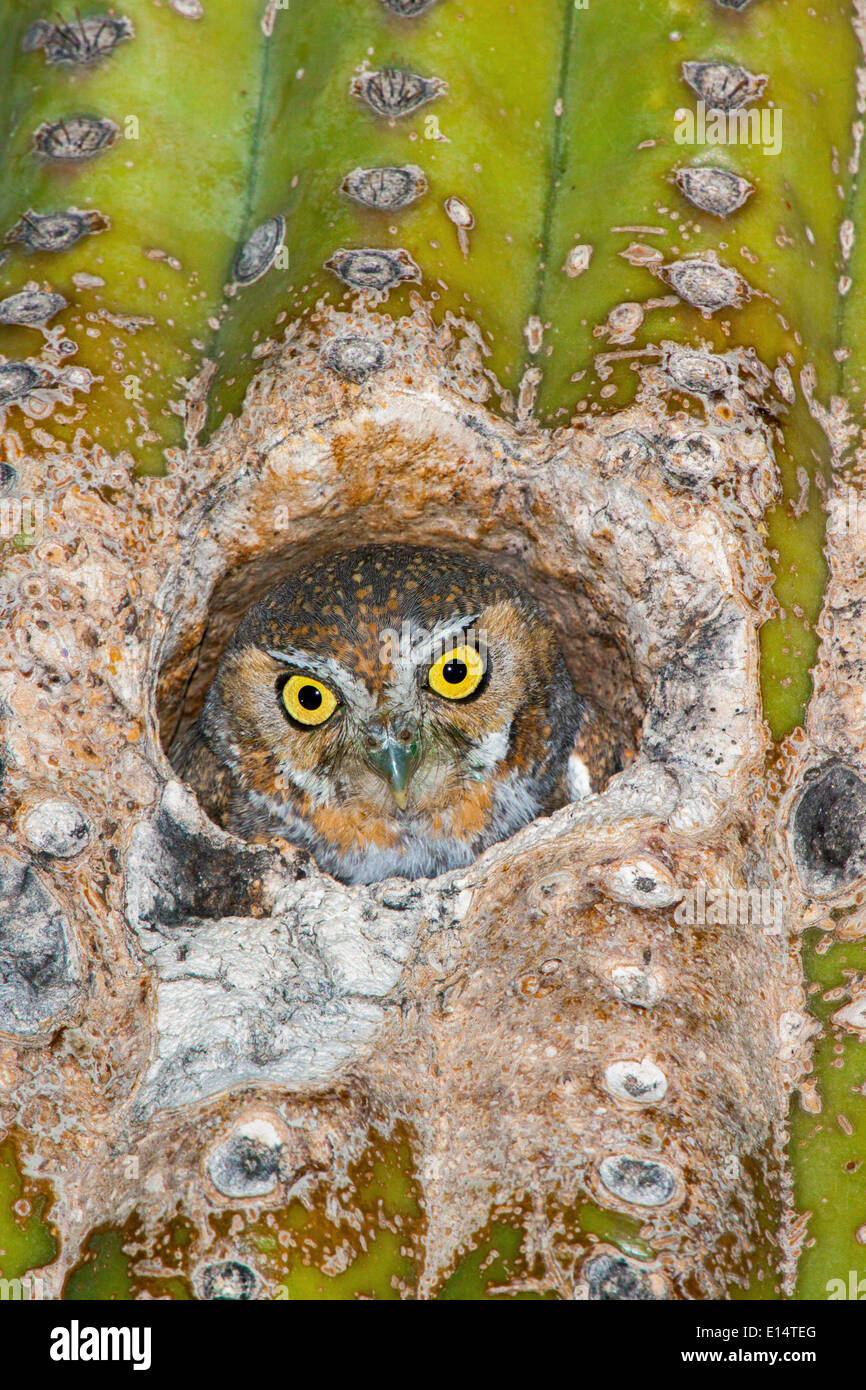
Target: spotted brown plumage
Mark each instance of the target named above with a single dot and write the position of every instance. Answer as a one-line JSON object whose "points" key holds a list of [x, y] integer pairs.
{"points": [[394, 710]]}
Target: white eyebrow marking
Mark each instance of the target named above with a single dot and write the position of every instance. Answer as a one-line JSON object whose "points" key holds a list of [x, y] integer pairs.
{"points": [[411, 655], [448, 627], [327, 669]]}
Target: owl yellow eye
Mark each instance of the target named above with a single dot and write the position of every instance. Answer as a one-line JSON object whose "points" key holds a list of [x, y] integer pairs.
{"points": [[457, 674], [307, 700]]}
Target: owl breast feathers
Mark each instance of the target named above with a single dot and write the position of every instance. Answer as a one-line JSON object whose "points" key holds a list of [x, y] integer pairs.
{"points": [[394, 710]]}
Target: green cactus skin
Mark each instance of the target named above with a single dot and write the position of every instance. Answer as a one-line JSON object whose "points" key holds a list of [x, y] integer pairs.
{"points": [[556, 131], [26, 1238], [172, 194], [827, 1148]]}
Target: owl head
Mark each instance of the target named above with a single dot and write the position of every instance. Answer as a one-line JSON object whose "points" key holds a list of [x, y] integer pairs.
{"points": [[394, 709]]}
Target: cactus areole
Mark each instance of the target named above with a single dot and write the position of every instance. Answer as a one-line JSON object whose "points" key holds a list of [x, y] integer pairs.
{"points": [[567, 291]]}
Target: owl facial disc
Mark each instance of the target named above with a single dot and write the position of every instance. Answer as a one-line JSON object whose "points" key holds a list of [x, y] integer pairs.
{"points": [[393, 709]]}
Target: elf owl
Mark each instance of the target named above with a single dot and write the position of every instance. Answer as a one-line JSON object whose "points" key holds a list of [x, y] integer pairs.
{"points": [[394, 710]]}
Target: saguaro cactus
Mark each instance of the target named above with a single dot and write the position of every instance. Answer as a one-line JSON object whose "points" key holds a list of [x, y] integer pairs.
{"points": [[568, 286]]}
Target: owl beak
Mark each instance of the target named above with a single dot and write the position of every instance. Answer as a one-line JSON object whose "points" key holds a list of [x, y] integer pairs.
{"points": [[394, 759]]}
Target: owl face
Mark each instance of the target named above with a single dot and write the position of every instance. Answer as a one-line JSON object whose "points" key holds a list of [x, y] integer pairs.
{"points": [[394, 709]]}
